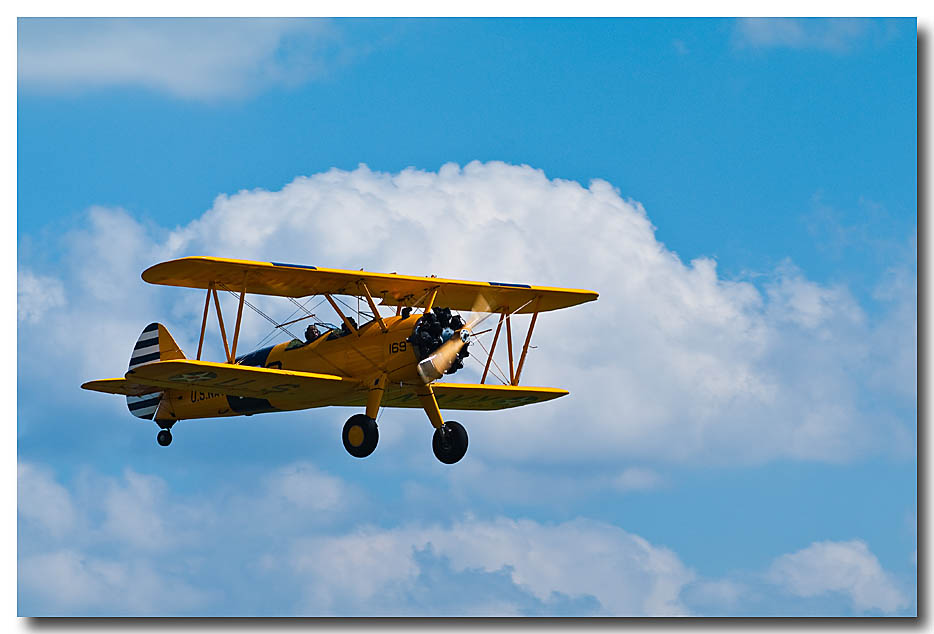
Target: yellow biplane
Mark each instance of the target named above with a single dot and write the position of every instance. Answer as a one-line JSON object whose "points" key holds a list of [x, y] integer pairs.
{"points": [[389, 361]]}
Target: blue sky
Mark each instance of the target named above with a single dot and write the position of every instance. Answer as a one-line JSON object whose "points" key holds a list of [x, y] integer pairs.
{"points": [[741, 434]]}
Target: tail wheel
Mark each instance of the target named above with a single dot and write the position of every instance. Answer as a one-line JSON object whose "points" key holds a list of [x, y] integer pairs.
{"points": [[164, 438], [360, 435], [449, 442]]}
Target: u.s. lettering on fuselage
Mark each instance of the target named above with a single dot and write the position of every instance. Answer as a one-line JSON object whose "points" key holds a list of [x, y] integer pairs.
{"points": [[201, 396]]}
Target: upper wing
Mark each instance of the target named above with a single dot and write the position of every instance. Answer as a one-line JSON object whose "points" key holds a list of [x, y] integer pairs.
{"points": [[244, 380], [296, 280]]}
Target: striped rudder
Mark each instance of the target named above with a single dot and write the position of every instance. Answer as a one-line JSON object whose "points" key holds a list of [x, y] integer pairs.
{"points": [[154, 344]]}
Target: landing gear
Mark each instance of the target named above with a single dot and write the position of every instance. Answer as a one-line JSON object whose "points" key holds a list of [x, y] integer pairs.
{"points": [[164, 438], [449, 442], [360, 435]]}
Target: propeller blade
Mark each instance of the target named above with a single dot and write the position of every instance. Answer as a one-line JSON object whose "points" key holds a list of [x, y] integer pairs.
{"points": [[478, 313]]}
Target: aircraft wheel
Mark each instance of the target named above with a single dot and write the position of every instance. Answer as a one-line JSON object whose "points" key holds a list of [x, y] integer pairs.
{"points": [[360, 435], [450, 442], [164, 438]]}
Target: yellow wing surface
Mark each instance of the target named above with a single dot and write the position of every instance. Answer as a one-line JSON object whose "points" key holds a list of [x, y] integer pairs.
{"points": [[242, 380], [296, 280], [477, 397], [312, 390], [119, 386], [460, 396]]}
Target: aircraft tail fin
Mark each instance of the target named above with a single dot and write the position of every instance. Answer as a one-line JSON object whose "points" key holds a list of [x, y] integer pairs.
{"points": [[154, 344]]}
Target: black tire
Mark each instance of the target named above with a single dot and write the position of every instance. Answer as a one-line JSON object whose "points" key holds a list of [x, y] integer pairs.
{"points": [[449, 442], [164, 438], [360, 435]]}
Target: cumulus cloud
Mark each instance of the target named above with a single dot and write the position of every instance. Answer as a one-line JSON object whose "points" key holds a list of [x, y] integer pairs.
{"points": [[42, 503], [895, 350], [75, 558], [838, 35], [69, 582], [672, 363], [306, 488], [638, 479], [624, 572], [846, 567], [91, 549], [716, 597], [37, 294], [108, 566], [204, 59]]}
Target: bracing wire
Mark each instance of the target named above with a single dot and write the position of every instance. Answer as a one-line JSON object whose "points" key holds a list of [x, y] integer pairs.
{"points": [[261, 314], [308, 312], [495, 365], [351, 308], [287, 319]]}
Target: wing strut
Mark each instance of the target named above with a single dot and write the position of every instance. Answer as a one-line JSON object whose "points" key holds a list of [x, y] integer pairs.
{"points": [[512, 376], [339, 312], [233, 346], [489, 360], [431, 300], [229, 350], [220, 321], [514, 371], [525, 347], [204, 319], [369, 299]]}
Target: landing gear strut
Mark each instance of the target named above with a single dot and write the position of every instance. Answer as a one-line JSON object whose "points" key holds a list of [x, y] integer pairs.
{"points": [[164, 438], [449, 442], [360, 435]]}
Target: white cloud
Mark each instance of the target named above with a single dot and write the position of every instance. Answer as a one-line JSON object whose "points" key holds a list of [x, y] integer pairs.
{"points": [[895, 351], [716, 597], [37, 294], [43, 503], [133, 511], [624, 572], [672, 363], [306, 488], [839, 35], [638, 479], [107, 565], [846, 567], [71, 582], [231, 554], [93, 549], [205, 59]]}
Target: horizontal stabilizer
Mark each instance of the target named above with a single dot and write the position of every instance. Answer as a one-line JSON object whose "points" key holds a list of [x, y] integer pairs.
{"points": [[120, 386]]}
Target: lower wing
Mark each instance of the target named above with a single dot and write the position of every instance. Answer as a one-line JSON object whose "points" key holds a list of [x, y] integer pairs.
{"points": [[464, 396], [244, 380], [316, 390]]}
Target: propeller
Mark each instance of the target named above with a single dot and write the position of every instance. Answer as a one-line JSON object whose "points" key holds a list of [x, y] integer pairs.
{"points": [[433, 367], [438, 362]]}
